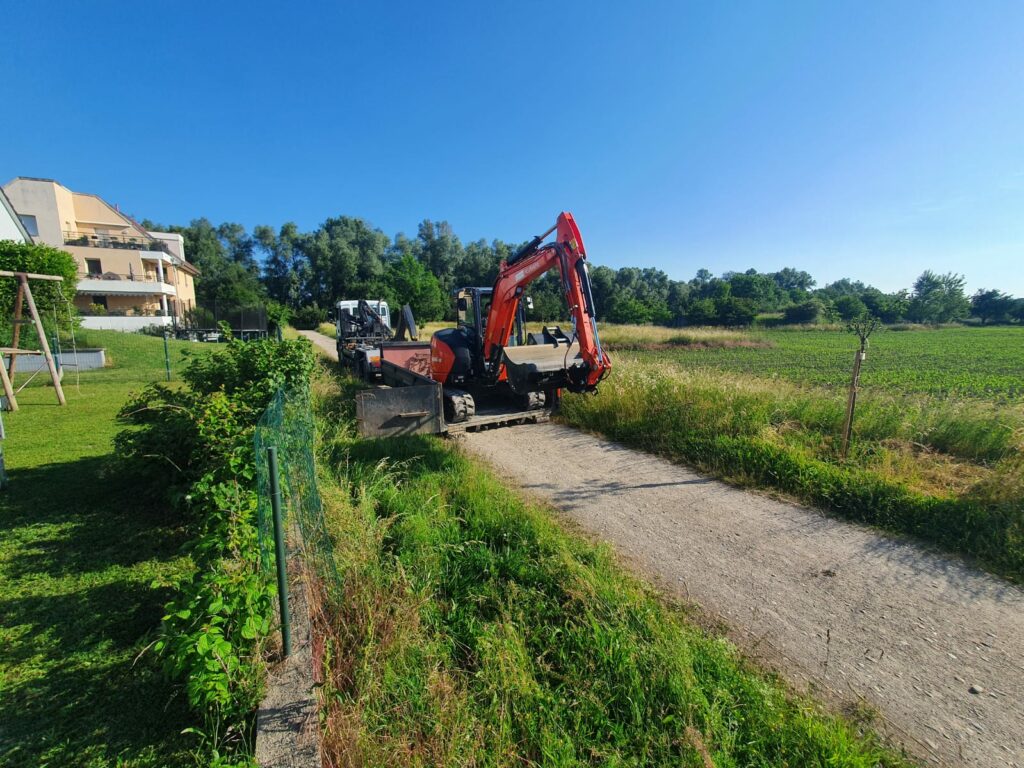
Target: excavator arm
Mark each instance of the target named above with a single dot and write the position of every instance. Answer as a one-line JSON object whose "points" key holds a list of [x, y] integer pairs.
{"points": [[583, 368]]}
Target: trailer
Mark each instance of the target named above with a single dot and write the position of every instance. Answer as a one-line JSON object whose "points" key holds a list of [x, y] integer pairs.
{"points": [[408, 402]]}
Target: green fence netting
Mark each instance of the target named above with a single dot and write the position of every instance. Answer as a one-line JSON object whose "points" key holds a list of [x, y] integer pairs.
{"points": [[288, 425]]}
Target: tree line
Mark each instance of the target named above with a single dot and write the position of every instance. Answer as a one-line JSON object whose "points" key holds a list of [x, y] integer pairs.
{"points": [[347, 258]]}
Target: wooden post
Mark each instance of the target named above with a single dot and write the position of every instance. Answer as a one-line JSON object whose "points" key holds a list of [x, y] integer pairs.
{"points": [[851, 402], [42, 338], [16, 333], [12, 402]]}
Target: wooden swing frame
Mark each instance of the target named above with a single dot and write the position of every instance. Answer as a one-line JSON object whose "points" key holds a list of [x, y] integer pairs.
{"points": [[24, 296]]}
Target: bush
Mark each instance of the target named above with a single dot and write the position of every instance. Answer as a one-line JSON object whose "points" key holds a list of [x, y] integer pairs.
{"points": [[734, 311], [194, 446], [309, 317], [805, 312]]}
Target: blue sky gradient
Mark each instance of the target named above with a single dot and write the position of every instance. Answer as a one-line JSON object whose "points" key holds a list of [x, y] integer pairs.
{"points": [[866, 140]]}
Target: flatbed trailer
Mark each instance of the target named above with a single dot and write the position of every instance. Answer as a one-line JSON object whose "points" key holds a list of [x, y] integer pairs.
{"points": [[409, 402]]}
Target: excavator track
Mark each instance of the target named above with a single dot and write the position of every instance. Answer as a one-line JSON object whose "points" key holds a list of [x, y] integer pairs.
{"points": [[459, 406]]}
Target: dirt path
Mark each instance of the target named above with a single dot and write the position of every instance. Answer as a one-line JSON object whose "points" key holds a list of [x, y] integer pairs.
{"points": [[324, 344], [837, 606]]}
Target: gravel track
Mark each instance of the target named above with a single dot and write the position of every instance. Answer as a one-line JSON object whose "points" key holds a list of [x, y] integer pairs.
{"points": [[837, 608]]}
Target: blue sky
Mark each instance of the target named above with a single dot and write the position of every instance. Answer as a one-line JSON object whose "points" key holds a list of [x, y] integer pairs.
{"points": [[870, 140]]}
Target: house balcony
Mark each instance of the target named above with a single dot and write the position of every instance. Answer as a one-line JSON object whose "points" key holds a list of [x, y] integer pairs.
{"points": [[122, 242], [114, 284]]}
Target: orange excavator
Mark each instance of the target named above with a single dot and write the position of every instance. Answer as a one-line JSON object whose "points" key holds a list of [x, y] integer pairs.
{"points": [[489, 357], [488, 349]]}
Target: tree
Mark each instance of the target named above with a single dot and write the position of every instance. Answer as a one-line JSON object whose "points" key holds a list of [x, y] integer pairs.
{"points": [[804, 313], [938, 298], [789, 279], [346, 261], [1017, 310], [412, 284], [440, 251], [889, 308], [229, 276], [702, 312], [284, 269], [843, 287], [630, 310], [850, 307], [991, 306], [735, 311]]}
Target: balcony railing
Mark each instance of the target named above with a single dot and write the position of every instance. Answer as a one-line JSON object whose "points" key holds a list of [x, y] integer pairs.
{"points": [[140, 277], [127, 242]]}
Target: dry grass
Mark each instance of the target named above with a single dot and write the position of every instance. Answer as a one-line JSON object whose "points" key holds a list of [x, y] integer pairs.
{"points": [[660, 337], [645, 337]]}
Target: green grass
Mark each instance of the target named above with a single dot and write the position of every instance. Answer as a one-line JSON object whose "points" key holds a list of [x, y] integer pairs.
{"points": [[81, 564], [946, 464], [474, 630], [982, 363]]}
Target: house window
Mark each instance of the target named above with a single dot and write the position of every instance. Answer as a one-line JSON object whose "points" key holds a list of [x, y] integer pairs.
{"points": [[92, 266], [29, 223], [101, 300]]}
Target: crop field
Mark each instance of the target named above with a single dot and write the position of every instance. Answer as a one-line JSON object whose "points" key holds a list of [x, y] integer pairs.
{"points": [[938, 440], [981, 363]]}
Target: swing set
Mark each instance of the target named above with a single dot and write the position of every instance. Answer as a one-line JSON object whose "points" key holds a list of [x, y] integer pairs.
{"points": [[24, 300]]}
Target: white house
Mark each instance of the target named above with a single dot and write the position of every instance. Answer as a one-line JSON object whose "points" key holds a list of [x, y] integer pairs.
{"points": [[11, 227]]}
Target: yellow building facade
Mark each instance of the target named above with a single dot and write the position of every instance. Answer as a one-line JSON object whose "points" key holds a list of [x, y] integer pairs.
{"points": [[128, 277]]}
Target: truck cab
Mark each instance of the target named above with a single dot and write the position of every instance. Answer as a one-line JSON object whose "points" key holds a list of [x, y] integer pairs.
{"points": [[349, 308]]}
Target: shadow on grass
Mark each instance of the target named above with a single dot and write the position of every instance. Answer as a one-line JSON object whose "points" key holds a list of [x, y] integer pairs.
{"points": [[78, 560]]}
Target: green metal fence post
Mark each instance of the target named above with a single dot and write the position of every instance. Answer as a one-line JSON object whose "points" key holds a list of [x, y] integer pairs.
{"points": [[56, 348], [279, 555], [167, 357]]}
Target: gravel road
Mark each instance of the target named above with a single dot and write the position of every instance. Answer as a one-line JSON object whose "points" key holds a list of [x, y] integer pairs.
{"points": [[324, 344], [935, 647]]}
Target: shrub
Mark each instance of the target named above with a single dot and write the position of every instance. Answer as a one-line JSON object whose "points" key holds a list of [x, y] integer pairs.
{"points": [[805, 312], [309, 317], [194, 445]]}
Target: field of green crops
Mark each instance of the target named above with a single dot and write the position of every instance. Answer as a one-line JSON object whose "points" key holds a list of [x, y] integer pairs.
{"points": [[938, 441], [985, 363]]}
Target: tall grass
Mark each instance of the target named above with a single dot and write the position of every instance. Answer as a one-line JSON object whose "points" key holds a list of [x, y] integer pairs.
{"points": [[475, 631], [906, 470], [645, 336]]}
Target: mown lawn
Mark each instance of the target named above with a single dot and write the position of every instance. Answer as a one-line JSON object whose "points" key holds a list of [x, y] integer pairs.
{"points": [[82, 558]]}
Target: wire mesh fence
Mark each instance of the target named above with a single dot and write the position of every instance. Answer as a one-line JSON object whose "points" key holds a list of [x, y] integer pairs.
{"points": [[287, 424]]}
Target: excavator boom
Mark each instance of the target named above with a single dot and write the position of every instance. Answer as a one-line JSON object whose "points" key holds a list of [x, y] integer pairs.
{"points": [[584, 363]]}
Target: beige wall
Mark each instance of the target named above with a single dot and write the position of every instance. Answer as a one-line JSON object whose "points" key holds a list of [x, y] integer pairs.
{"points": [[118, 260], [39, 199], [129, 305]]}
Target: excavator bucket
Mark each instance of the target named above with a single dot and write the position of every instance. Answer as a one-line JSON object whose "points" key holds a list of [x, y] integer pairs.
{"points": [[537, 367]]}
